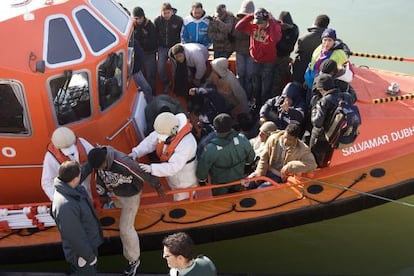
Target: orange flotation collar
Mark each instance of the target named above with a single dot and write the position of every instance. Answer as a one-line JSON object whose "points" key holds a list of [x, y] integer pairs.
{"points": [[165, 154], [60, 157]]}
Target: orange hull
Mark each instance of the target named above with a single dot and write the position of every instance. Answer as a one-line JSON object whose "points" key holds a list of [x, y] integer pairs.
{"points": [[378, 163]]}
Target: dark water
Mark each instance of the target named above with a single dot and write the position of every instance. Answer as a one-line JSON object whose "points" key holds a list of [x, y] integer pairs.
{"points": [[378, 241]]}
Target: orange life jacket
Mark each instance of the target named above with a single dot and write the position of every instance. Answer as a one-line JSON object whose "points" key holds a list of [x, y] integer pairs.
{"points": [[60, 157], [165, 154], [83, 157]]}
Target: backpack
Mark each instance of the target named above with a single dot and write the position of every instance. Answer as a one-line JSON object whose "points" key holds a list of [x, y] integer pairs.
{"points": [[344, 125]]}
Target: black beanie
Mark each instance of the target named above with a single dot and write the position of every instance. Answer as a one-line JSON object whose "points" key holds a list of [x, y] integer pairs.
{"points": [[96, 157]]}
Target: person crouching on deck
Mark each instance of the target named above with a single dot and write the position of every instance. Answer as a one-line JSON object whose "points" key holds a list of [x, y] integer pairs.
{"points": [[176, 147]]}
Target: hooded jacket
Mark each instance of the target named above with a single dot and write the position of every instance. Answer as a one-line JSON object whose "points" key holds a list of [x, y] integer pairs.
{"points": [[224, 158], [262, 42], [122, 175], [231, 90], [196, 30], [290, 33], [77, 222], [196, 56], [180, 168]]}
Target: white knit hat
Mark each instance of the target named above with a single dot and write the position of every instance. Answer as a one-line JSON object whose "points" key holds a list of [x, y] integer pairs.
{"points": [[63, 137], [166, 124]]}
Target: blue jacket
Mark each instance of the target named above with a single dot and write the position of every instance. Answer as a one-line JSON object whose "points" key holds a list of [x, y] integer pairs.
{"points": [[196, 30]]}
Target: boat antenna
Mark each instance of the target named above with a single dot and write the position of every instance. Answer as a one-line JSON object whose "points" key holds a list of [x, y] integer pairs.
{"points": [[357, 191]]}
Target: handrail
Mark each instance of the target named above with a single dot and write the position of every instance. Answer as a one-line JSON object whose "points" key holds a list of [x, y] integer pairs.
{"points": [[209, 186], [110, 138], [377, 56]]}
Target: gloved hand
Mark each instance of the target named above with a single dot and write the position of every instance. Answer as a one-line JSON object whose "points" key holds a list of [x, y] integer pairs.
{"points": [[94, 261], [81, 262], [145, 167], [133, 155]]}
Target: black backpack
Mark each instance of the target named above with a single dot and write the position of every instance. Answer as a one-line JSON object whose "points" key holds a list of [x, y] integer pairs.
{"points": [[344, 125]]}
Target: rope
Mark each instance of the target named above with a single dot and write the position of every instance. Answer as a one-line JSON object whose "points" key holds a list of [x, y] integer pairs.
{"points": [[394, 58], [359, 192], [389, 99]]}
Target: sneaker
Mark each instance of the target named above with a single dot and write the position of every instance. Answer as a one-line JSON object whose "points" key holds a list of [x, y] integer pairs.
{"points": [[131, 268]]}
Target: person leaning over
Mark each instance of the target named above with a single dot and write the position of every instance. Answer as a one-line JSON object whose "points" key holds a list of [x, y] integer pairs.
{"points": [[117, 173], [176, 148], [285, 154], [76, 220], [179, 253], [225, 156]]}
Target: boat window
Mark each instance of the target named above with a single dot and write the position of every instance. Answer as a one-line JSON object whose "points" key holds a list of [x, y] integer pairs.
{"points": [[13, 113], [62, 44], [97, 35], [110, 80], [113, 13], [71, 97]]}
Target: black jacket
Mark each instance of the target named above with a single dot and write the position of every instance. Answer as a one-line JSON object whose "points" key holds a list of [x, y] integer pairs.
{"points": [[122, 175], [168, 32], [147, 36]]}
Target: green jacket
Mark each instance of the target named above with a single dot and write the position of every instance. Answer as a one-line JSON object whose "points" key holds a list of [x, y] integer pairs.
{"points": [[202, 265], [224, 158]]}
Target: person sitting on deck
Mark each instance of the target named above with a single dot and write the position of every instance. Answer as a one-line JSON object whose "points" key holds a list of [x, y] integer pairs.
{"points": [[225, 156], [176, 147], [285, 154], [287, 108]]}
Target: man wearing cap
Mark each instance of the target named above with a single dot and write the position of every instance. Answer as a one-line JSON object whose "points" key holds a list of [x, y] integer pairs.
{"points": [[265, 32], [305, 46], [176, 148], [195, 26], [225, 156], [259, 141], [219, 31], [321, 116], [64, 146], [168, 29], [285, 154], [118, 174]]}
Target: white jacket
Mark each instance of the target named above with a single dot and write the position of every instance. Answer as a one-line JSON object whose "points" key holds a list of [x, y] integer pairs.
{"points": [[178, 172], [51, 169]]}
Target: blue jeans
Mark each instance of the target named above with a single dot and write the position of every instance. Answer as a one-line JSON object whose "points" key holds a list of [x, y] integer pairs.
{"points": [[150, 70], [143, 85], [162, 65], [263, 81], [244, 67]]}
